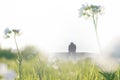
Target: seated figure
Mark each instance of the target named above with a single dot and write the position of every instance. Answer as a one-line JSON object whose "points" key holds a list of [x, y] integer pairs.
{"points": [[72, 48]]}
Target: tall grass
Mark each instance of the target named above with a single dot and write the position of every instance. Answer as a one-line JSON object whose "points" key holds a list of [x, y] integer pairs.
{"points": [[38, 69]]}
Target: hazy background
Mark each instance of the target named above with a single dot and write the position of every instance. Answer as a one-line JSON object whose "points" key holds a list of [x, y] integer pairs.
{"points": [[53, 24]]}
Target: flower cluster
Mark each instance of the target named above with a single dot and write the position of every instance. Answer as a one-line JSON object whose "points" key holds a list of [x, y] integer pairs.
{"points": [[7, 32], [90, 10]]}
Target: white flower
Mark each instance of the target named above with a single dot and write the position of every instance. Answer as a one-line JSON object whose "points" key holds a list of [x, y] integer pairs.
{"points": [[81, 10], [7, 30], [89, 10]]}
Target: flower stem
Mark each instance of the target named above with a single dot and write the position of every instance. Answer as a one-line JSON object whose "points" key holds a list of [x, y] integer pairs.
{"points": [[95, 27], [19, 59]]}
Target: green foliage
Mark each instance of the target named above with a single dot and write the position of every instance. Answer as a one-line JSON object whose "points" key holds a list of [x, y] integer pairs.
{"points": [[39, 69], [29, 52], [1, 77], [108, 75], [7, 54]]}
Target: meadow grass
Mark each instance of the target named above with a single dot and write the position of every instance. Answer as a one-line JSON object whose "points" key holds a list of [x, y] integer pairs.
{"points": [[37, 69]]}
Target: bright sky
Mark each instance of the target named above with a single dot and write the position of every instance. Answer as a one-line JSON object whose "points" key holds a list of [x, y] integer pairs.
{"points": [[53, 24]]}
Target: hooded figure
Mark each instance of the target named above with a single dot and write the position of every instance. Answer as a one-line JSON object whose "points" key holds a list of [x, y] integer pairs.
{"points": [[72, 48]]}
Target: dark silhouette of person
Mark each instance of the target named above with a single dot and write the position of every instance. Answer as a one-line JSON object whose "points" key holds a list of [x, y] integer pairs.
{"points": [[72, 48]]}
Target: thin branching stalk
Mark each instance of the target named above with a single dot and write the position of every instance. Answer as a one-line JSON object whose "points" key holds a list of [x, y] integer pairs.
{"points": [[19, 59], [95, 27], [92, 11], [19, 55]]}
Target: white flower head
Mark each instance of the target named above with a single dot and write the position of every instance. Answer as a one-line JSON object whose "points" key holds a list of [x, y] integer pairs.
{"points": [[7, 30], [81, 10], [90, 10]]}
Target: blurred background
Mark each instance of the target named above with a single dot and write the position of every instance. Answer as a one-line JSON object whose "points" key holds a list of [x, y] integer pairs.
{"points": [[52, 25]]}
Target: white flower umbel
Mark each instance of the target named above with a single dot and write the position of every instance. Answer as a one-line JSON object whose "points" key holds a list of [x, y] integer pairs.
{"points": [[90, 10]]}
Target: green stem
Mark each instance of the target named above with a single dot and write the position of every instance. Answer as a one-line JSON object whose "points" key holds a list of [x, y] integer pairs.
{"points": [[95, 26], [19, 59]]}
